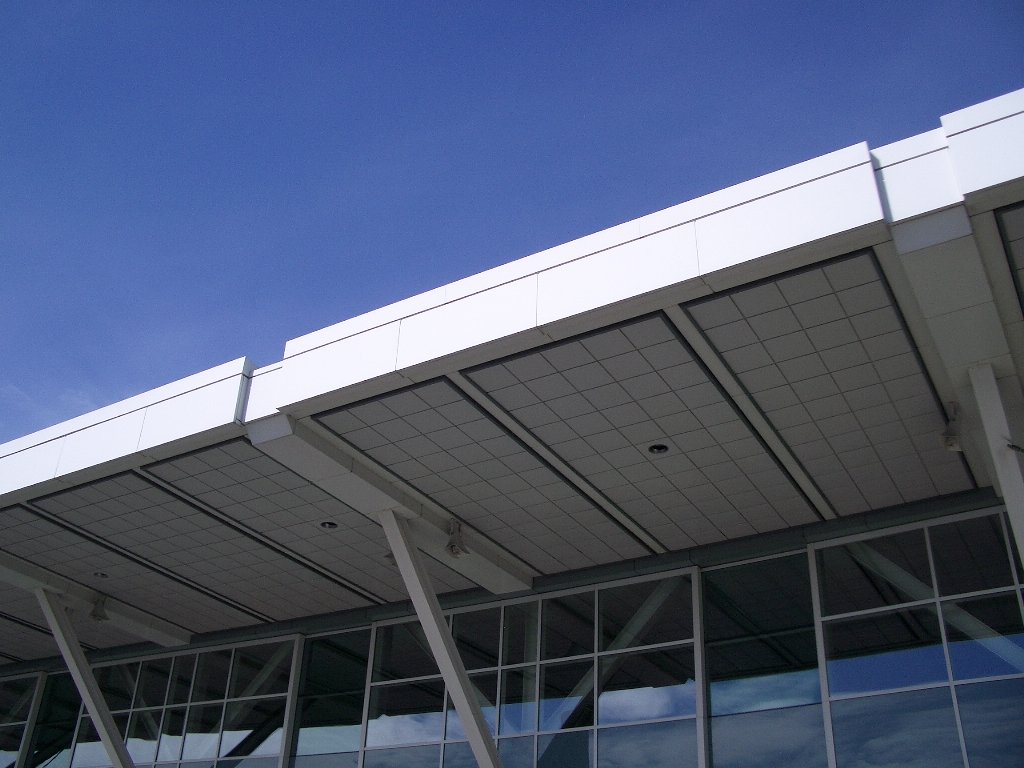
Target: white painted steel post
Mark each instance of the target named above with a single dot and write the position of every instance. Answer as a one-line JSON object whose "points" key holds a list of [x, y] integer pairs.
{"points": [[442, 644]]}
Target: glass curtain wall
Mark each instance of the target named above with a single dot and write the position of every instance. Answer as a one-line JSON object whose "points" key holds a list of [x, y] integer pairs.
{"points": [[15, 708]]}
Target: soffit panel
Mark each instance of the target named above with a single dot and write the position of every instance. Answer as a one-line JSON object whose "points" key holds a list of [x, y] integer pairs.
{"points": [[825, 355], [250, 487], [599, 401], [1011, 226], [36, 539], [138, 516], [439, 442]]}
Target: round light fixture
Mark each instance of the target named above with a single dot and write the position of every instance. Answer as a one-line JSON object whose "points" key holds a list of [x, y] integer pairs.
{"points": [[657, 449], [328, 525], [101, 574]]}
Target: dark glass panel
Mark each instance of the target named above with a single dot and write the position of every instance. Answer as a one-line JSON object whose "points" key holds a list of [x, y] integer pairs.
{"points": [[117, 684], [252, 728], [646, 686], [143, 735], [408, 757], [246, 762], [655, 745], [153, 679], [567, 626], [476, 635], [985, 635], [646, 613], [519, 626], [566, 750], [259, 670], [346, 760], [759, 636], [518, 701], [567, 695], [89, 750], [486, 689], [202, 734], [970, 555], [16, 699], [51, 744], [402, 651], [172, 734], [458, 755], [405, 713], [10, 743], [211, 680], [516, 753], [793, 737], [888, 650], [336, 664], [60, 700], [329, 723], [870, 574], [914, 729], [181, 678], [991, 715]]}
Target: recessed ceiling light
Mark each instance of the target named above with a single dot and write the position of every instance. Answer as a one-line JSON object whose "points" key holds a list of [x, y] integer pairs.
{"points": [[657, 448], [101, 574], [328, 525]]}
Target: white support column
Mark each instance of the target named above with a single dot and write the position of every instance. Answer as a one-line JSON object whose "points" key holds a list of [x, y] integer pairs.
{"points": [[88, 688], [442, 645], [1005, 460]]}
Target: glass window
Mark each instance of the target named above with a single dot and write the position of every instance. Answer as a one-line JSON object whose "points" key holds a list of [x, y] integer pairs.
{"points": [[211, 679], [409, 757], [172, 734], [402, 651], [870, 574], [259, 670], [895, 649], [516, 753], [252, 728], [519, 629], [486, 689], [329, 724], [985, 635], [117, 683], [143, 734], [793, 737], [60, 699], [970, 555], [914, 729], [51, 744], [645, 613], [202, 734], [476, 636], [991, 715], [89, 750], [10, 743], [405, 713], [567, 695], [336, 664], [518, 701], [346, 760], [16, 699], [565, 750], [153, 679], [646, 686], [567, 626], [655, 745], [458, 755], [181, 678]]}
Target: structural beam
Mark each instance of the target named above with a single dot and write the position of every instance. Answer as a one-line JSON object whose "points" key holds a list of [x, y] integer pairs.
{"points": [[60, 624], [439, 638], [317, 455], [1002, 448]]}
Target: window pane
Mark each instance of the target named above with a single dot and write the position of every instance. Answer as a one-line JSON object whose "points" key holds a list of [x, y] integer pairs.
{"points": [[10, 742], [402, 651], [181, 678], [567, 695], [117, 684], [172, 734], [518, 701], [970, 555], [516, 753], [889, 650], [519, 625], [991, 715], [89, 750], [15, 699], [870, 574], [252, 728], [60, 700], [986, 636], [646, 613], [202, 735], [459, 755], [565, 750], [567, 626], [347, 760], [915, 729], [410, 757], [153, 679], [211, 680], [656, 745], [143, 733], [646, 686], [329, 723], [476, 635], [52, 745], [261, 669], [337, 664], [486, 689], [405, 713], [793, 737]]}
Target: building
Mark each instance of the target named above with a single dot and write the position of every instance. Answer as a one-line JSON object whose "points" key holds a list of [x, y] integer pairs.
{"points": [[736, 483]]}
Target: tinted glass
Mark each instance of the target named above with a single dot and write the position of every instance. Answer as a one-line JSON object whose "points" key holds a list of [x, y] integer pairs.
{"points": [[153, 679], [565, 750], [915, 729], [211, 678], [405, 713], [259, 670], [172, 734], [16, 699], [329, 723], [985, 635], [143, 733], [646, 686], [519, 630], [60, 700], [202, 733], [181, 678], [518, 701], [252, 728], [410, 757], [970, 555], [485, 687], [567, 695], [655, 745], [869, 574], [347, 760], [516, 753], [476, 636], [792, 737], [117, 684], [10, 742], [336, 664], [889, 650], [89, 750], [991, 715], [402, 651], [458, 755], [645, 613], [567, 626], [51, 744]]}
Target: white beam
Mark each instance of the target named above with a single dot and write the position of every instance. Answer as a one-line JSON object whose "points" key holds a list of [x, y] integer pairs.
{"points": [[88, 689], [28, 576], [1006, 461], [439, 638]]}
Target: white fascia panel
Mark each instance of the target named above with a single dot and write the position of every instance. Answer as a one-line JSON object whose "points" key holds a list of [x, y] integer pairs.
{"points": [[919, 185], [622, 272], [825, 206], [467, 322], [265, 392], [990, 154], [986, 112], [100, 443], [192, 413], [29, 466], [909, 148]]}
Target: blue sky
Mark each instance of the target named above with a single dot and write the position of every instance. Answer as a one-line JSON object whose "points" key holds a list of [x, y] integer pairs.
{"points": [[184, 183]]}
